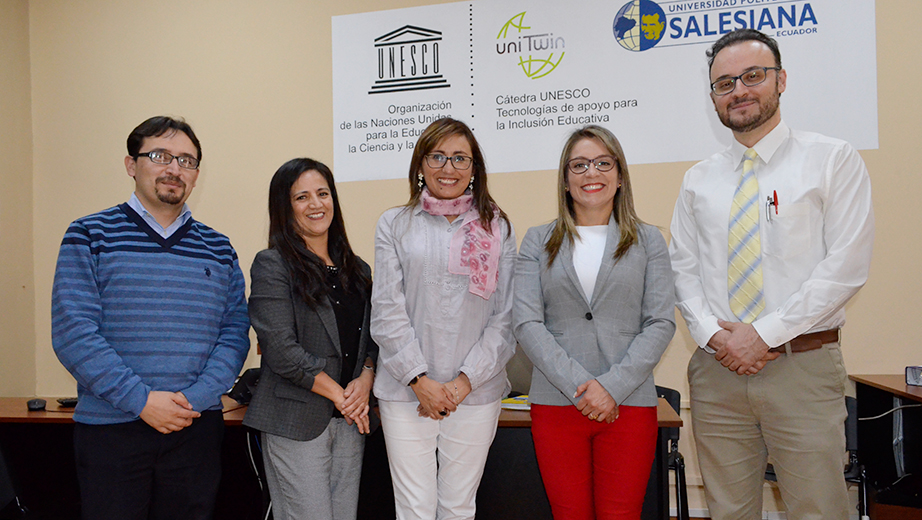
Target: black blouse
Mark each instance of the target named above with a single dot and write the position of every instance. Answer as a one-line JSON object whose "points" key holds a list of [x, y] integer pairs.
{"points": [[349, 309]]}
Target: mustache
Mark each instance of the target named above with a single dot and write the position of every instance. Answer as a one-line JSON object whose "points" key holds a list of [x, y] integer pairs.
{"points": [[741, 101], [171, 179]]}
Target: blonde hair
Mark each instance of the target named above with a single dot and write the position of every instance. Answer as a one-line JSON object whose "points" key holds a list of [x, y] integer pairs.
{"points": [[622, 205]]}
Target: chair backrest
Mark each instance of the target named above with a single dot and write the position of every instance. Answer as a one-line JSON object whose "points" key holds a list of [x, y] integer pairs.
{"points": [[7, 493], [851, 424], [674, 398]]}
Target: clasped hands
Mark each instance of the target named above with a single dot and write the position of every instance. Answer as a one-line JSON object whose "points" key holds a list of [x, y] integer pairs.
{"points": [[740, 348], [354, 405], [437, 400], [168, 412], [596, 404]]}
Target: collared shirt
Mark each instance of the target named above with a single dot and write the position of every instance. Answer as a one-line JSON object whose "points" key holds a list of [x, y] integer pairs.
{"points": [[816, 249], [425, 319], [164, 232]]}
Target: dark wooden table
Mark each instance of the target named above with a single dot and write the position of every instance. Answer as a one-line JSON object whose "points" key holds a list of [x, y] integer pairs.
{"points": [[39, 451], [890, 444]]}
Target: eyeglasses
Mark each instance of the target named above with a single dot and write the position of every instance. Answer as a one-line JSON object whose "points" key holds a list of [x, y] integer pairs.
{"points": [[460, 162], [750, 78], [580, 165], [161, 157]]}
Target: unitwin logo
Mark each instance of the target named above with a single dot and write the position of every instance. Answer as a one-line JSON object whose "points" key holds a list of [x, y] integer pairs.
{"points": [[538, 53], [408, 59]]}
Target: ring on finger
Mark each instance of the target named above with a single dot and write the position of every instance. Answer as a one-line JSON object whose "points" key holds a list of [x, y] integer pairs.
{"points": [[592, 416]]}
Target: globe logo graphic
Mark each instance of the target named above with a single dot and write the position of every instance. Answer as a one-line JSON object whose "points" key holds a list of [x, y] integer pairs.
{"points": [[639, 25]]}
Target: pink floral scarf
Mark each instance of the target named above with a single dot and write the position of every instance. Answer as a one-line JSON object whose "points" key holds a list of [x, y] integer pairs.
{"points": [[473, 251]]}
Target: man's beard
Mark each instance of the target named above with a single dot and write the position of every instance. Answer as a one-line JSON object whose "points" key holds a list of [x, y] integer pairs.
{"points": [[767, 110], [171, 196]]}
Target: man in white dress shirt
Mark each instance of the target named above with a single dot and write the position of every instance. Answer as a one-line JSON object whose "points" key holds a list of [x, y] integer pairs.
{"points": [[769, 381]]}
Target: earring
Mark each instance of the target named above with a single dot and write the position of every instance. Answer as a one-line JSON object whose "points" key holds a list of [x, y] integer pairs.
{"points": [[420, 183], [470, 185]]}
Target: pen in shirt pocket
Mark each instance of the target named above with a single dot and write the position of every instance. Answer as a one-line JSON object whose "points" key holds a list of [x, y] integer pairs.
{"points": [[771, 200]]}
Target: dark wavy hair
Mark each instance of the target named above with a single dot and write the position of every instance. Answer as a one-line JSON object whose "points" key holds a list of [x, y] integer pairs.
{"points": [[308, 272], [435, 132], [740, 36], [158, 126]]}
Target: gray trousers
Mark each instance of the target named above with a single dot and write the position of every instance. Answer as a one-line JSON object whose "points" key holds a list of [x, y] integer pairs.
{"points": [[316, 479]]}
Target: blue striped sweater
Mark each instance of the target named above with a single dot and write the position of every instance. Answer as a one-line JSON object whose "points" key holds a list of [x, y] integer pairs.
{"points": [[133, 312]]}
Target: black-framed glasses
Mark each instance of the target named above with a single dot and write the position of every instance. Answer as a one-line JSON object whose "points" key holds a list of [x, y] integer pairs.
{"points": [[750, 78], [580, 165], [438, 160], [162, 157]]}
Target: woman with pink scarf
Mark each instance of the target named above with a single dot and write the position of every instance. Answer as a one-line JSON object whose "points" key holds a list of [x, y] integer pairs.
{"points": [[442, 318]]}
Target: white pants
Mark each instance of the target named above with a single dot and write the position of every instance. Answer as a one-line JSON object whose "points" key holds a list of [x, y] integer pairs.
{"points": [[436, 465]]}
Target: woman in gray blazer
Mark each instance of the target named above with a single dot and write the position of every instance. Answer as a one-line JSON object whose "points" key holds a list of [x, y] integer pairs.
{"points": [[594, 311], [309, 305]]}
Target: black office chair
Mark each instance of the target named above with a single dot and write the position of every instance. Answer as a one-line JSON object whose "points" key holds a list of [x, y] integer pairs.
{"points": [[10, 506], [675, 460], [255, 452], [854, 471]]}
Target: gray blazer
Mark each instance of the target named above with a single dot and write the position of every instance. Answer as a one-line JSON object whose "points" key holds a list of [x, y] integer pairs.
{"points": [[617, 338], [297, 344]]}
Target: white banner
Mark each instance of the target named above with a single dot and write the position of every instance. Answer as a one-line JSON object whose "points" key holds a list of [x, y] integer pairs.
{"points": [[524, 73]]}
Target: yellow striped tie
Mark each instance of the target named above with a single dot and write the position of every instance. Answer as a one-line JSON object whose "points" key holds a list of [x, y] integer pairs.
{"points": [[744, 280]]}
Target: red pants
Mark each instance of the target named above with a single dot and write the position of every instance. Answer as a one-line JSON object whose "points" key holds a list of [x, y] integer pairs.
{"points": [[594, 470]]}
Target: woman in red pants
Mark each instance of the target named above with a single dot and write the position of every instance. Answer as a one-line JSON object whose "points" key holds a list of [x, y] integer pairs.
{"points": [[594, 310]]}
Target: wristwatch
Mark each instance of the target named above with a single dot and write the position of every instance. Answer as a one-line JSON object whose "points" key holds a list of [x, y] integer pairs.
{"points": [[416, 379]]}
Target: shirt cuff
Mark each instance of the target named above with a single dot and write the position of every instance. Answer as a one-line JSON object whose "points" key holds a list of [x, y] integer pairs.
{"points": [[413, 373], [772, 330], [705, 331], [468, 371], [136, 400]]}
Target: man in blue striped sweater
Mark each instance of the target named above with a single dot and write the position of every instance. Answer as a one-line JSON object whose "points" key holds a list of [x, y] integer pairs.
{"points": [[150, 317]]}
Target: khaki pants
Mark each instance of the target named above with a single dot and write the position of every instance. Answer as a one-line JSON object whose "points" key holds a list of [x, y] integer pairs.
{"points": [[792, 410]]}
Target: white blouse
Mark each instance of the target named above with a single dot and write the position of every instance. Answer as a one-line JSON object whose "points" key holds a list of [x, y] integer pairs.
{"points": [[588, 249]]}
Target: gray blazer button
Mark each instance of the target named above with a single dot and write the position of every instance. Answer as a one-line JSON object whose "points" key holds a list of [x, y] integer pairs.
{"points": [[589, 316]]}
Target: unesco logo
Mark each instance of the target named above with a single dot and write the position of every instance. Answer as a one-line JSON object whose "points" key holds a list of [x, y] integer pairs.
{"points": [[639, 25], [408, 59], [539, 48]]}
